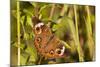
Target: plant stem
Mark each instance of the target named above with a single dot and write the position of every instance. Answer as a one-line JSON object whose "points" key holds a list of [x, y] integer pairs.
{"points": [[36, 10], [62, 13], [18, 30], [52, 11], [79, 49], [40, 60], [90, 41]]}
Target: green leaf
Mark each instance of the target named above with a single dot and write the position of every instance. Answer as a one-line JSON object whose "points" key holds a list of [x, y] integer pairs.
{"points": [[26, 36], [29, 21], [32, 51], [64, 27], [32, 59], [23, 58], [45, 11], [65, 30]]}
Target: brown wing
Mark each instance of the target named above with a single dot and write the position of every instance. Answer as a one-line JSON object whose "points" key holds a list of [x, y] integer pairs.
{"points": [[54, 49], [46, 43], [42, 35]]}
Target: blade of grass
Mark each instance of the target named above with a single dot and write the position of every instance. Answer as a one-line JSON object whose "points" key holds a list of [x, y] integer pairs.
{"points": [[51, 13], [66, 45], [36, 8], [79, 49], [62, 13], [90, 41]]}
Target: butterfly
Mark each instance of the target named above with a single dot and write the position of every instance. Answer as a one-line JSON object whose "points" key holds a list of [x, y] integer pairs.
{"points": [[47, 43]]}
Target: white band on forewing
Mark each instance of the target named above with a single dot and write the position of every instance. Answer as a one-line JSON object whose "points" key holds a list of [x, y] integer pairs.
{"points": [[39, 25], [62, 51]]}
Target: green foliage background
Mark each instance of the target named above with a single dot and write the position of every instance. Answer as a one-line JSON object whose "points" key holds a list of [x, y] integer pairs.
{"points": [[73, 24]]}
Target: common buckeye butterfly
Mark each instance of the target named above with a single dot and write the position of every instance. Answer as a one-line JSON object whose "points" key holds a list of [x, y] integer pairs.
{"points": [[46, 43]]}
